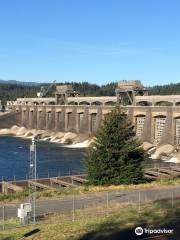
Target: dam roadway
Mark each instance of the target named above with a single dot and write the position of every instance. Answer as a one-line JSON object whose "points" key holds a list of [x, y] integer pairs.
{"points": [[65, 203]]}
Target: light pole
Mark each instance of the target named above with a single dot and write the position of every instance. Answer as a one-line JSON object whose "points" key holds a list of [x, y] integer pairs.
{"points": [[32, 178]]}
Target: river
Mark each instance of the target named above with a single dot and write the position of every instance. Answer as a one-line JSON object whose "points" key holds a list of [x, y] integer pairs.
{"points": [[52, 159]]}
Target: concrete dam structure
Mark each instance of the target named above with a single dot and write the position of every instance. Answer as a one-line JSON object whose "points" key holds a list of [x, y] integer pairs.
{"points": [[156, 118]]}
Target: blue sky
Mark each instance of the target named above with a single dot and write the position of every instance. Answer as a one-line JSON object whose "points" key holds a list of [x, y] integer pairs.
{"points": [[90, 40]]}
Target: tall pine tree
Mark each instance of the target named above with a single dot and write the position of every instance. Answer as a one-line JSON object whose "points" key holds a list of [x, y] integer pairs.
{"points": [[115, 157]]}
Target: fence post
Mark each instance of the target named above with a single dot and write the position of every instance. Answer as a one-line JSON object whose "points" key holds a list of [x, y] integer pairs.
{"points": [[107, 201], [3, 215], [73, 209], [139, 201], [172, 199]]}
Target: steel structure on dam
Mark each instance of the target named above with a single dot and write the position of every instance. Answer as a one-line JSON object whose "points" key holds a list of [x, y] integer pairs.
{"points": [[156, 118]]}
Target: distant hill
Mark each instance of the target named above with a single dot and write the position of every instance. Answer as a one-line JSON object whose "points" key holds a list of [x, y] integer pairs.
{"points": [[15, 82], [168, 89], [12, 89]]}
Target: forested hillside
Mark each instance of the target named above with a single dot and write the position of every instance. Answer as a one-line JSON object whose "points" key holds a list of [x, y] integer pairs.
{"points": [[173, 88], [12, 91]]}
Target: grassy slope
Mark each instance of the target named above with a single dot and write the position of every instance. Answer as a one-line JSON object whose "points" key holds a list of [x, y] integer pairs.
{"points": [[118, 223], [85, 189]]}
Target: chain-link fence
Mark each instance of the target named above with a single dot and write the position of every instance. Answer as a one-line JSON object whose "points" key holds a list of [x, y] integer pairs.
{"points": [[43, 174], [74, 207]]}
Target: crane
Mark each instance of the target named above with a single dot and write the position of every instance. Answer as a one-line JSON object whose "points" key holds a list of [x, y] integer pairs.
{"points": [[43, 92]]}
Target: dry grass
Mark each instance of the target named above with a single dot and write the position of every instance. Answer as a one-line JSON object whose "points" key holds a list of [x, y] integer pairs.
{"points": [[14, 197], [118, 217]]}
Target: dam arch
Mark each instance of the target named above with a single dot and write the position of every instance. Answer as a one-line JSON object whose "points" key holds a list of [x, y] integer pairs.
{"points": [[110, 103], [84, 103], [144, 103], [72, 103], [96, 103], [163, 103]]}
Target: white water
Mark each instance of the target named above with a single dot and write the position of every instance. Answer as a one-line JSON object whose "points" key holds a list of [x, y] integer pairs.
{"points": [[84, 144], [46, 135]]}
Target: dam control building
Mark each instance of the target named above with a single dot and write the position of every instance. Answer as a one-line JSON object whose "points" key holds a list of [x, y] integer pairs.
{"points": [[156, 118]]}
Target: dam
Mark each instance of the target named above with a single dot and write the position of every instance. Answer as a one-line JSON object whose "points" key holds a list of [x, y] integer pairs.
{"points": [[156, 118]]}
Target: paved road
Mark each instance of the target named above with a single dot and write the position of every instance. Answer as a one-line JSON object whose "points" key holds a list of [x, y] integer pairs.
{"points": [[64, 204]]}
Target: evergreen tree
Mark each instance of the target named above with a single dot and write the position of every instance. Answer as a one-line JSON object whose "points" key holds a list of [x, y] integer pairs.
{"points": [[115, 157]]}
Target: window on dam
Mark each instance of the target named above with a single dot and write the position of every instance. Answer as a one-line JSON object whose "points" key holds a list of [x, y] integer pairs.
{"points": [[139, 125], [31, 115], [69, 119], [24, 113], [177, 125], [93, 122], [48, 116], [40, 114], [58, 116], [80, 120], [159, 124]]}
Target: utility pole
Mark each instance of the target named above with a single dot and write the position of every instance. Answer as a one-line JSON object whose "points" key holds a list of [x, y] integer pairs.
{"points": [[32, 178]]}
